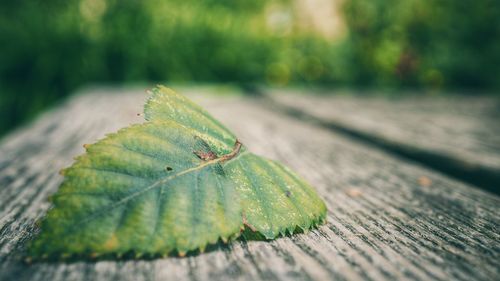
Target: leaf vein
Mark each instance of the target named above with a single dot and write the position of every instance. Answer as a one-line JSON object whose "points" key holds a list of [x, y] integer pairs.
{"points": [[259, 197], [154, 185], [121, 173], [292, 199]]}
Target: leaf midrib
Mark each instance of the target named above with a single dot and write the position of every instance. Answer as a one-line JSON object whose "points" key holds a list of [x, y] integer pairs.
{"points": [[158, 183]]}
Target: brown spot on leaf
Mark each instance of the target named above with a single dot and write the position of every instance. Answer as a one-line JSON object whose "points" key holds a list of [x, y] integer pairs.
{"points": [[245, 222], [205, 155], [111, 243]]}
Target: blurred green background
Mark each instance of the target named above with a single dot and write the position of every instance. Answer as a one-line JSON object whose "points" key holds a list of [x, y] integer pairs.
{"points": [[49, 48]]}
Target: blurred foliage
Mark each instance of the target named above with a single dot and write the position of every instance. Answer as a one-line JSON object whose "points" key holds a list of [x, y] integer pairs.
{"points": [[430, 43], [48, 48]]}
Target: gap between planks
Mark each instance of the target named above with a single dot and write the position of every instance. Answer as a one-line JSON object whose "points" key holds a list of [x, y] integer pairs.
{"points": [[483, 177]]}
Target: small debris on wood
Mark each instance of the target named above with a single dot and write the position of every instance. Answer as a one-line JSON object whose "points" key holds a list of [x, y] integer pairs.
{"points": [[353, 192], [424, 181]]}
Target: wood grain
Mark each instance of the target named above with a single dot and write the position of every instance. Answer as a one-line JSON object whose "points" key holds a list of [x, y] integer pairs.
{"points": [[385, 222], [457, 135]]}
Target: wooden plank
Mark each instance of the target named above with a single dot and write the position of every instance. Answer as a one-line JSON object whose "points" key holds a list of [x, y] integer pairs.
{"points": [[459, 135], [385, 222]]}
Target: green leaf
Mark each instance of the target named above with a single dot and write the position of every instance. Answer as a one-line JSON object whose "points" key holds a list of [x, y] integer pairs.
{"points": [[178, 182]]}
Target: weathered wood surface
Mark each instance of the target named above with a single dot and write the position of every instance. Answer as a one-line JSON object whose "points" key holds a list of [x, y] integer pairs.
{"points": [[456, 131], [388, 219]]}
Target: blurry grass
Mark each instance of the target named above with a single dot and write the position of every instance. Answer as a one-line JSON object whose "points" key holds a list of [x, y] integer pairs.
{"points": [[49, 48]]}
